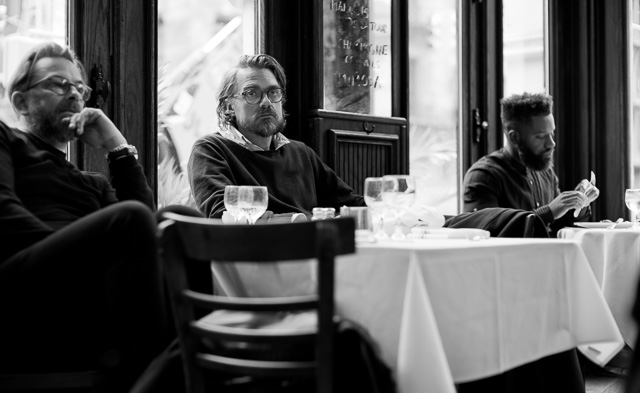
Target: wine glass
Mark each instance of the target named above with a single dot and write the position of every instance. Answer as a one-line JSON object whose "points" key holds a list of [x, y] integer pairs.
{"points": [[231, 202], [373, 199], [632, 200], [398, 193], [252, 201]]}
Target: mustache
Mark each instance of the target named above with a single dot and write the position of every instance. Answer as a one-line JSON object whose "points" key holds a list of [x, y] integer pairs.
{"points": [[268, 110]]}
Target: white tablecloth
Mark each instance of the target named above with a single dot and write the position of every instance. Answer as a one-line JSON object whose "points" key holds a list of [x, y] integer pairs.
{"points": [[473, 309], [614, 256]]}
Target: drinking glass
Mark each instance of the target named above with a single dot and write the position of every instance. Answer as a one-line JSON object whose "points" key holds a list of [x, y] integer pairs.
{"points": [[373, 199], [398, 194], [231, 202], [632, 200], [252, 201]]}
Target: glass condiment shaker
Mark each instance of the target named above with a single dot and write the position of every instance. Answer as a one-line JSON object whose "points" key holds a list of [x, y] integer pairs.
{"points": [[323, 213]]}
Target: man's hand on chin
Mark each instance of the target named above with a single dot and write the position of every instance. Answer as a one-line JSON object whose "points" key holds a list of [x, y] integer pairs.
{"points": [[94, 128]]}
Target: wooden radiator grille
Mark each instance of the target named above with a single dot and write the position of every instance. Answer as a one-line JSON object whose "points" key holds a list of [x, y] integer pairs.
{"points": [[356, 155]]}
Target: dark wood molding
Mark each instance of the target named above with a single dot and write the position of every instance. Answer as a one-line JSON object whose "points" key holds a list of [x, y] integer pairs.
{"points": [[121, 37], [589, 83], [481, 78]]}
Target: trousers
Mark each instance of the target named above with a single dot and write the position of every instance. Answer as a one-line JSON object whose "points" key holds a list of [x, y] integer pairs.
{"points": [[89, 295]]}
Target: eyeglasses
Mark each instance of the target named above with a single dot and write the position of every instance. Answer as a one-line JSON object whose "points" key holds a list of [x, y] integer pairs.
{"points": [[254, 96], [61, 86]]}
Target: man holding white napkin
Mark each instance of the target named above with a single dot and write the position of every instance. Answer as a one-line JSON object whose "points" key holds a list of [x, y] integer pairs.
{"points": [[520, 175]]}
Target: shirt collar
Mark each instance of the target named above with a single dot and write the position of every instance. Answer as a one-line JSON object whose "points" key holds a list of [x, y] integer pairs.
{"points": [[232, 134]]}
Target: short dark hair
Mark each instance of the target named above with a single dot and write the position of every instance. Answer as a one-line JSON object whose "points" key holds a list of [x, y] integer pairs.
{"points": [[22, 78], [228, 85], [519, 109]]}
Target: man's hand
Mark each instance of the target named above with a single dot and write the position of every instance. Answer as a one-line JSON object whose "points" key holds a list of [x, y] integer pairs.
{"points": [[94, 128], [566, 201], [590, 190]]}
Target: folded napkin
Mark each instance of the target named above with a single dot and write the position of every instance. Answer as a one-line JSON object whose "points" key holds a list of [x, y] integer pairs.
{"points": [[448, 233], [422, 215], [267, 218]]}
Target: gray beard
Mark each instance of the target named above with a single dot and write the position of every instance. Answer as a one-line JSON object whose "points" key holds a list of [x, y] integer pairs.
{"points": [[263, 127], [47, 127]]}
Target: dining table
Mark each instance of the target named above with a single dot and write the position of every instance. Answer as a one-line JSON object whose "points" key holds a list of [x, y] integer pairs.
{"points": [[447, 311], [614, 257]]}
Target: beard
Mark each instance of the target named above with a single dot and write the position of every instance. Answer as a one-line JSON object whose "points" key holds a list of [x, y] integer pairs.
{"points": [[265, 123], [48, 126], [537, 162]]}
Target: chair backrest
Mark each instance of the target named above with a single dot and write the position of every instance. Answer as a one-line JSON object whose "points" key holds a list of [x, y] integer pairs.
{"points": [[188, 241]]}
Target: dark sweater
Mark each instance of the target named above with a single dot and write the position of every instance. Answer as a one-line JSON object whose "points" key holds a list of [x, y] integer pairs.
{"points": [[296, 178], [500, 180], [41, 192]]}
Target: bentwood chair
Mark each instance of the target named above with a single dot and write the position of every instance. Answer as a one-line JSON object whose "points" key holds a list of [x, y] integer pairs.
{"points": [[186, 242]]}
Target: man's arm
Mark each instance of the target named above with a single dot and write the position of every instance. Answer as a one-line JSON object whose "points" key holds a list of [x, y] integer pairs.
{"points": [[94, 128], [332, 190], [209, 174], [481, 189]]}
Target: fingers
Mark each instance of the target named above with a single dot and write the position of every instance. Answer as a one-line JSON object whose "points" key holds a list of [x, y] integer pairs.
{"points": [[85, 117]]}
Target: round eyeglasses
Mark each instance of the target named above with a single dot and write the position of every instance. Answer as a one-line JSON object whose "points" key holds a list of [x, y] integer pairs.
{"points": [[61, 86], [254, 96]]}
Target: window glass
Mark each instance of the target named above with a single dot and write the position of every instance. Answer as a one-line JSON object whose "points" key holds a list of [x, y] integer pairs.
{"points": [[433, 102], [24, 24], [634, 89], [198, 40], [357, 56], [524, 46]]}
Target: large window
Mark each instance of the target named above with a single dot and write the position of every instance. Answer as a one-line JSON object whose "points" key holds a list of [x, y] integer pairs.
{"points": [[433, 102], [198, 40], [24, 24], [524, 46], [634, 54]]}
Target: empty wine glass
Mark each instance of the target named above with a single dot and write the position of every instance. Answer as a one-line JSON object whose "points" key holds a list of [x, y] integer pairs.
{"points": [[252, 201], [632, 200], [398, 193], [373, 199], [231, 202]]}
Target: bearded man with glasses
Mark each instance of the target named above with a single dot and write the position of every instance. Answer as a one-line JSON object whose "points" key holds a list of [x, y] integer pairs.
{"points": [[250, 148], [80, 285]]}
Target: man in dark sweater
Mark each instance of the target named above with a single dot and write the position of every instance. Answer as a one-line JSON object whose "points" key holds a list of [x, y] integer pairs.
{"points": [[250, 148], [80, 286], [520, 175]]}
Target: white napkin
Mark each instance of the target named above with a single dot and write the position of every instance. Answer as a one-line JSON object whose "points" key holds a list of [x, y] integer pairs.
{"points": [[267, 218], [448, 233], [422, 215]]}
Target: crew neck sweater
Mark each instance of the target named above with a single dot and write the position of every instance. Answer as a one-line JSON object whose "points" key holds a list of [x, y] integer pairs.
{"points": [[296, 178]]}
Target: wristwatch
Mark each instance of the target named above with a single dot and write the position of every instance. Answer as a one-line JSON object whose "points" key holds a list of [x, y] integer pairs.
{"points": [[121, 151]]}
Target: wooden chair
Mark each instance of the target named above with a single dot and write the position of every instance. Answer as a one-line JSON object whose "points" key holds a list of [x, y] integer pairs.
{"points": [[185, 241], [84, 381]]}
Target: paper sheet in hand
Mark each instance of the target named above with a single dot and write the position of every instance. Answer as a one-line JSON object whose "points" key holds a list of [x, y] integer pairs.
{"points": [[585, 187]]}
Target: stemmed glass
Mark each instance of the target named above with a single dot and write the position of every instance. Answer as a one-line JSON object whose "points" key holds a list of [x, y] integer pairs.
{"points": [[373, 199], [398, 193], [252, 201], [231, 202], [632, 200]]}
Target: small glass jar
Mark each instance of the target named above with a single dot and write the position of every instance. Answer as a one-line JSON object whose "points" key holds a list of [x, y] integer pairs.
{"points": [[323, 213]]}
